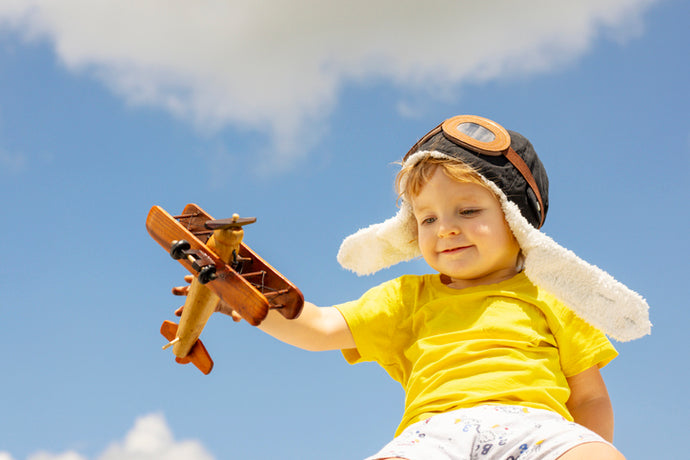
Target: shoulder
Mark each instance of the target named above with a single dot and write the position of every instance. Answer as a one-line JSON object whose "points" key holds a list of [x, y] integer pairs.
{"points": [[555, 311], [395, 297], [404, 287], [580, 345], [561, 320]]}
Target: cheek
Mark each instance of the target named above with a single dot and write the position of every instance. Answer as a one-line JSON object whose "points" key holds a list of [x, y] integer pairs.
{"points": [[496, 230], [508, 233], [483, 230], [509, 240], [426, 240]]}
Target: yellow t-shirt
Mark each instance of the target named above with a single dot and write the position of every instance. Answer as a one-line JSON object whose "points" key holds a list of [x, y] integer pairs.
{"points": [[506, 343]]}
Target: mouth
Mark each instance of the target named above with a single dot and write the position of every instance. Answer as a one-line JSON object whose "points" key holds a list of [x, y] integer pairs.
{"points": [[454, 250]]}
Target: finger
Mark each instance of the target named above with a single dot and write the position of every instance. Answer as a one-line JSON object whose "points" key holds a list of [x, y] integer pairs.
{"points": [[180, 290], [226, 309], [223, 307], [178, 312], [189, 278]]}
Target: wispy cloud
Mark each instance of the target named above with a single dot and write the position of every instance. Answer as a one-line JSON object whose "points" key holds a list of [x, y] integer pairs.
{"points": [[277, 67], [149, 439], [11, 163], [63, 456]]}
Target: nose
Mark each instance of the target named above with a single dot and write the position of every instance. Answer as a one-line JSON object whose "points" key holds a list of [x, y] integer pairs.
{"points": [[448, 227]]}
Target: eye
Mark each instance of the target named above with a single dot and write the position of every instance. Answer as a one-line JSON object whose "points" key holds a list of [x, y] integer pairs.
{"points": [[471, 212], [427, 221]]}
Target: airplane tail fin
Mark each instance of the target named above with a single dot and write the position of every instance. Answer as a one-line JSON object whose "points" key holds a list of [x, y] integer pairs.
{"points": [[198, 355]]}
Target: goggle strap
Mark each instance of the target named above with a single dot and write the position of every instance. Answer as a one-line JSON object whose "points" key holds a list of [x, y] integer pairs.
{"points": [[517, 161], [426, 137]]}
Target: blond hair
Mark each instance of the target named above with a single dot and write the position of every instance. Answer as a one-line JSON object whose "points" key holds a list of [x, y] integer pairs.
{"points": [[413, 177]]}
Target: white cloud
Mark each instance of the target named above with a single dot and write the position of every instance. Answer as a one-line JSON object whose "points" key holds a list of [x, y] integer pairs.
{"points": [[149, 439], [277, 66]]}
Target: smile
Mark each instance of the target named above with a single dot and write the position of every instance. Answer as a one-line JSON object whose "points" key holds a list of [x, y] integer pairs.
{"points": [[454, 250]]}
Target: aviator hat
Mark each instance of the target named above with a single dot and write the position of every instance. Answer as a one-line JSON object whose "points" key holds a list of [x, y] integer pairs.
{"points": [[509, 165]]}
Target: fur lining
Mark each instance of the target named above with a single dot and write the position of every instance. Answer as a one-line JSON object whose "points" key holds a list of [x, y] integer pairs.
{"points": [[381, 245], [590, 292]]}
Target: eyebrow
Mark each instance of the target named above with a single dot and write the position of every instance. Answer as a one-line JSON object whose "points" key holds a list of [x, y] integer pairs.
{"points": [[468, 196]]}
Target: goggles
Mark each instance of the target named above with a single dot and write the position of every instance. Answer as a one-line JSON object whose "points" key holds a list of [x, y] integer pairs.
{"points": [[481, 136]]}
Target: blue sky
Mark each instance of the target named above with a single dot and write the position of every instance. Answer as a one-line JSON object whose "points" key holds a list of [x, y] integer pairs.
{"points": [[108, 108]]}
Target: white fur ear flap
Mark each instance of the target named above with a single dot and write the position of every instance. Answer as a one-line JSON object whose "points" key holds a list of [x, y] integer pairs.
{"points": [[380, 245], [590, 292]]}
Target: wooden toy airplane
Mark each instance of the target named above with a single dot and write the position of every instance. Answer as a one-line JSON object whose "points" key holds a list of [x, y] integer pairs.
{"points": [[223, 268]]}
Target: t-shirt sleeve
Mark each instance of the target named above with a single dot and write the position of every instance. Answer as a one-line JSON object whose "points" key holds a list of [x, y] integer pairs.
{"points": [[581, 345], [376, 323]]}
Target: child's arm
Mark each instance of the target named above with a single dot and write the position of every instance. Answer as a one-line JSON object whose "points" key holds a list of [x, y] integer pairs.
{"points": [[589, 402], [316, 328]]}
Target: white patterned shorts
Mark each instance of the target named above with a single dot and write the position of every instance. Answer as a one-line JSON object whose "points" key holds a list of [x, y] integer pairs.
{"points": [[489, 433]]}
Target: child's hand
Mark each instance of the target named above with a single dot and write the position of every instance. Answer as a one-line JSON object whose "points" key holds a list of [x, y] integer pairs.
{"points": [[183, 290], [222, 307]]}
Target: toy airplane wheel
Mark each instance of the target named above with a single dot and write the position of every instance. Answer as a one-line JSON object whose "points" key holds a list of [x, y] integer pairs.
{"points": [[178, 249]]}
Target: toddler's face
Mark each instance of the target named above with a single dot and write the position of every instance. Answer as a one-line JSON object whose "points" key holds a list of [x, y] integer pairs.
{"points": [[462, 232]]}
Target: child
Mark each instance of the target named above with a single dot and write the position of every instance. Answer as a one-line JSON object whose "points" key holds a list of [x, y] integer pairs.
{"points": [[500, 350]]}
